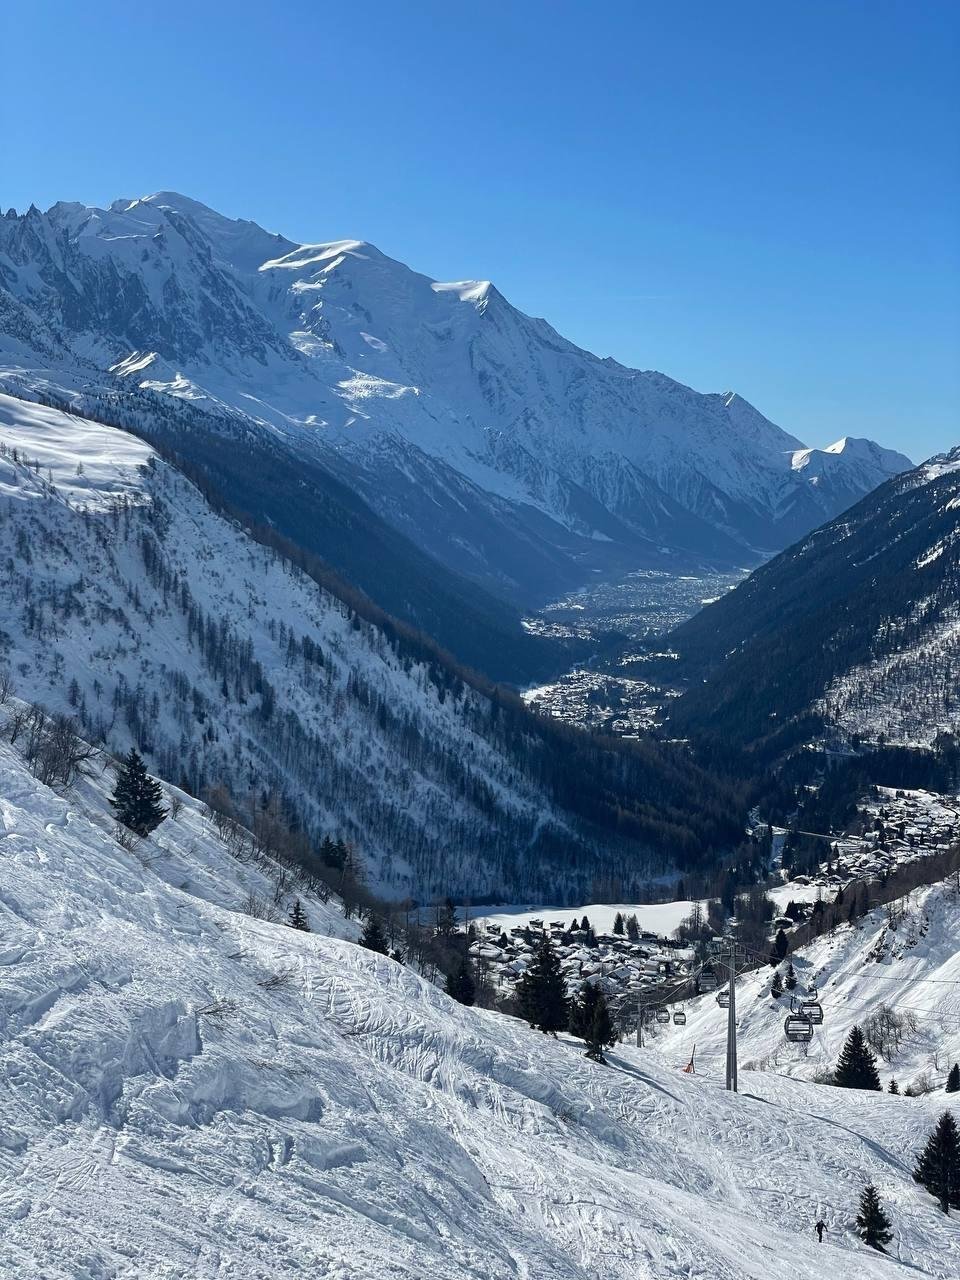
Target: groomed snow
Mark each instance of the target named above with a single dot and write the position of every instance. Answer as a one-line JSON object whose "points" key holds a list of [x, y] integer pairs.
{"points": [[168, 1111]]}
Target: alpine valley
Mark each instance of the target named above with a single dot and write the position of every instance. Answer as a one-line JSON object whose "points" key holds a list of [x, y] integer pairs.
{"points": [[282, 531], [452, 457]]}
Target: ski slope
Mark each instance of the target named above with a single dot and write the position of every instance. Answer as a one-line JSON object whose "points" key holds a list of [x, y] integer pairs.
{"points": [[905, 955], [189, 1092]]}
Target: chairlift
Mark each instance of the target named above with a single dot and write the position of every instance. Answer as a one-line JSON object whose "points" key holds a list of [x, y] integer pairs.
{"points": [[812, 991], [812, 1010], [679, 1018], [723, 999], [663, 1015], [798, 1029], [708, 981]]}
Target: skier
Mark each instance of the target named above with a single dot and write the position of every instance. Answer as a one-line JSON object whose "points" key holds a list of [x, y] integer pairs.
{"points": [[821, 1227]]}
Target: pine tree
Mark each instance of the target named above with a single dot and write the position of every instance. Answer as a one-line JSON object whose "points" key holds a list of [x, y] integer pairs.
{"points": [[590, 1021], [373, 936], [856, 1066], [893, 1086], [791, 979], [633, 928], [541, 991], [873, 1225], [298, 917], [460, 983], [938, 1168], [776, 987], [781, 944], [953, 1079], [136, 798], [618, 926]]}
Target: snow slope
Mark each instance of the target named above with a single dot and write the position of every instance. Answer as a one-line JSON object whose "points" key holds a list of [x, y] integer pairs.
{"points": [[497, 445], [170, 1111], [124, 599], [906, 956]]}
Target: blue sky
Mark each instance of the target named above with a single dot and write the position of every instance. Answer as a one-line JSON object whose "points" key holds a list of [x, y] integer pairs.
{"points": [[757, 196]]}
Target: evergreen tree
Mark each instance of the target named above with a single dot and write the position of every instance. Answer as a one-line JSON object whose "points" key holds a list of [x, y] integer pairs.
{"points": [[618, 926], [585, 924], [953, 1079], [856, 1066], [136, 798], [460, 983], [873, 1225], [373, 936], [541, 991], [893, 1086], [781, 944], [298, 917], [791, 979], [633, 928], [938, 1168], [776, 987], [590, 1021]]}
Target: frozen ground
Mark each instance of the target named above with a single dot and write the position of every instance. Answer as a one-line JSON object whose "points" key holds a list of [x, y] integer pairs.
{"points": [[188, 1092]]}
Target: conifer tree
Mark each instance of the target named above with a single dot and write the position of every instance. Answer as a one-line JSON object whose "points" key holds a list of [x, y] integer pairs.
{"points": [[781, 944], [790, 981], [298, 917], [633, 928], [873, 1225], [893, 1086], [776, 987], [590, 1021], [136, 797], [373, 936], [856, 1066], [541, 991], [460, 984], [938, 1168], [953, 1079], [618, 926]]}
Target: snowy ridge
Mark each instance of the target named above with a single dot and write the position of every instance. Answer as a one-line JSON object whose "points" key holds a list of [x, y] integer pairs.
{"points": [[171, 1110], [497, 445]]}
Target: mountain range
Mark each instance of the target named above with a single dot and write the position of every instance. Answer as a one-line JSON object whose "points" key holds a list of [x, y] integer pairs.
{"points": [[481, 462]]}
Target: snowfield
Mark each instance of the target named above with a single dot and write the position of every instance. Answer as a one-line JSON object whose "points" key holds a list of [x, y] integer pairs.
{"points": [[188, 1092]]}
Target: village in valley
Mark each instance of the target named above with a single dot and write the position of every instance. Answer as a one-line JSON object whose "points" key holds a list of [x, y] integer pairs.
{"points": [[650, 958]]}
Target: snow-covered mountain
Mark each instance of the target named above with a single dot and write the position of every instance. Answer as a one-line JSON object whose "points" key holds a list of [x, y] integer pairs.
{"points": [[191, 1093], [493, 443], [856, 628], [127, 601]]}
